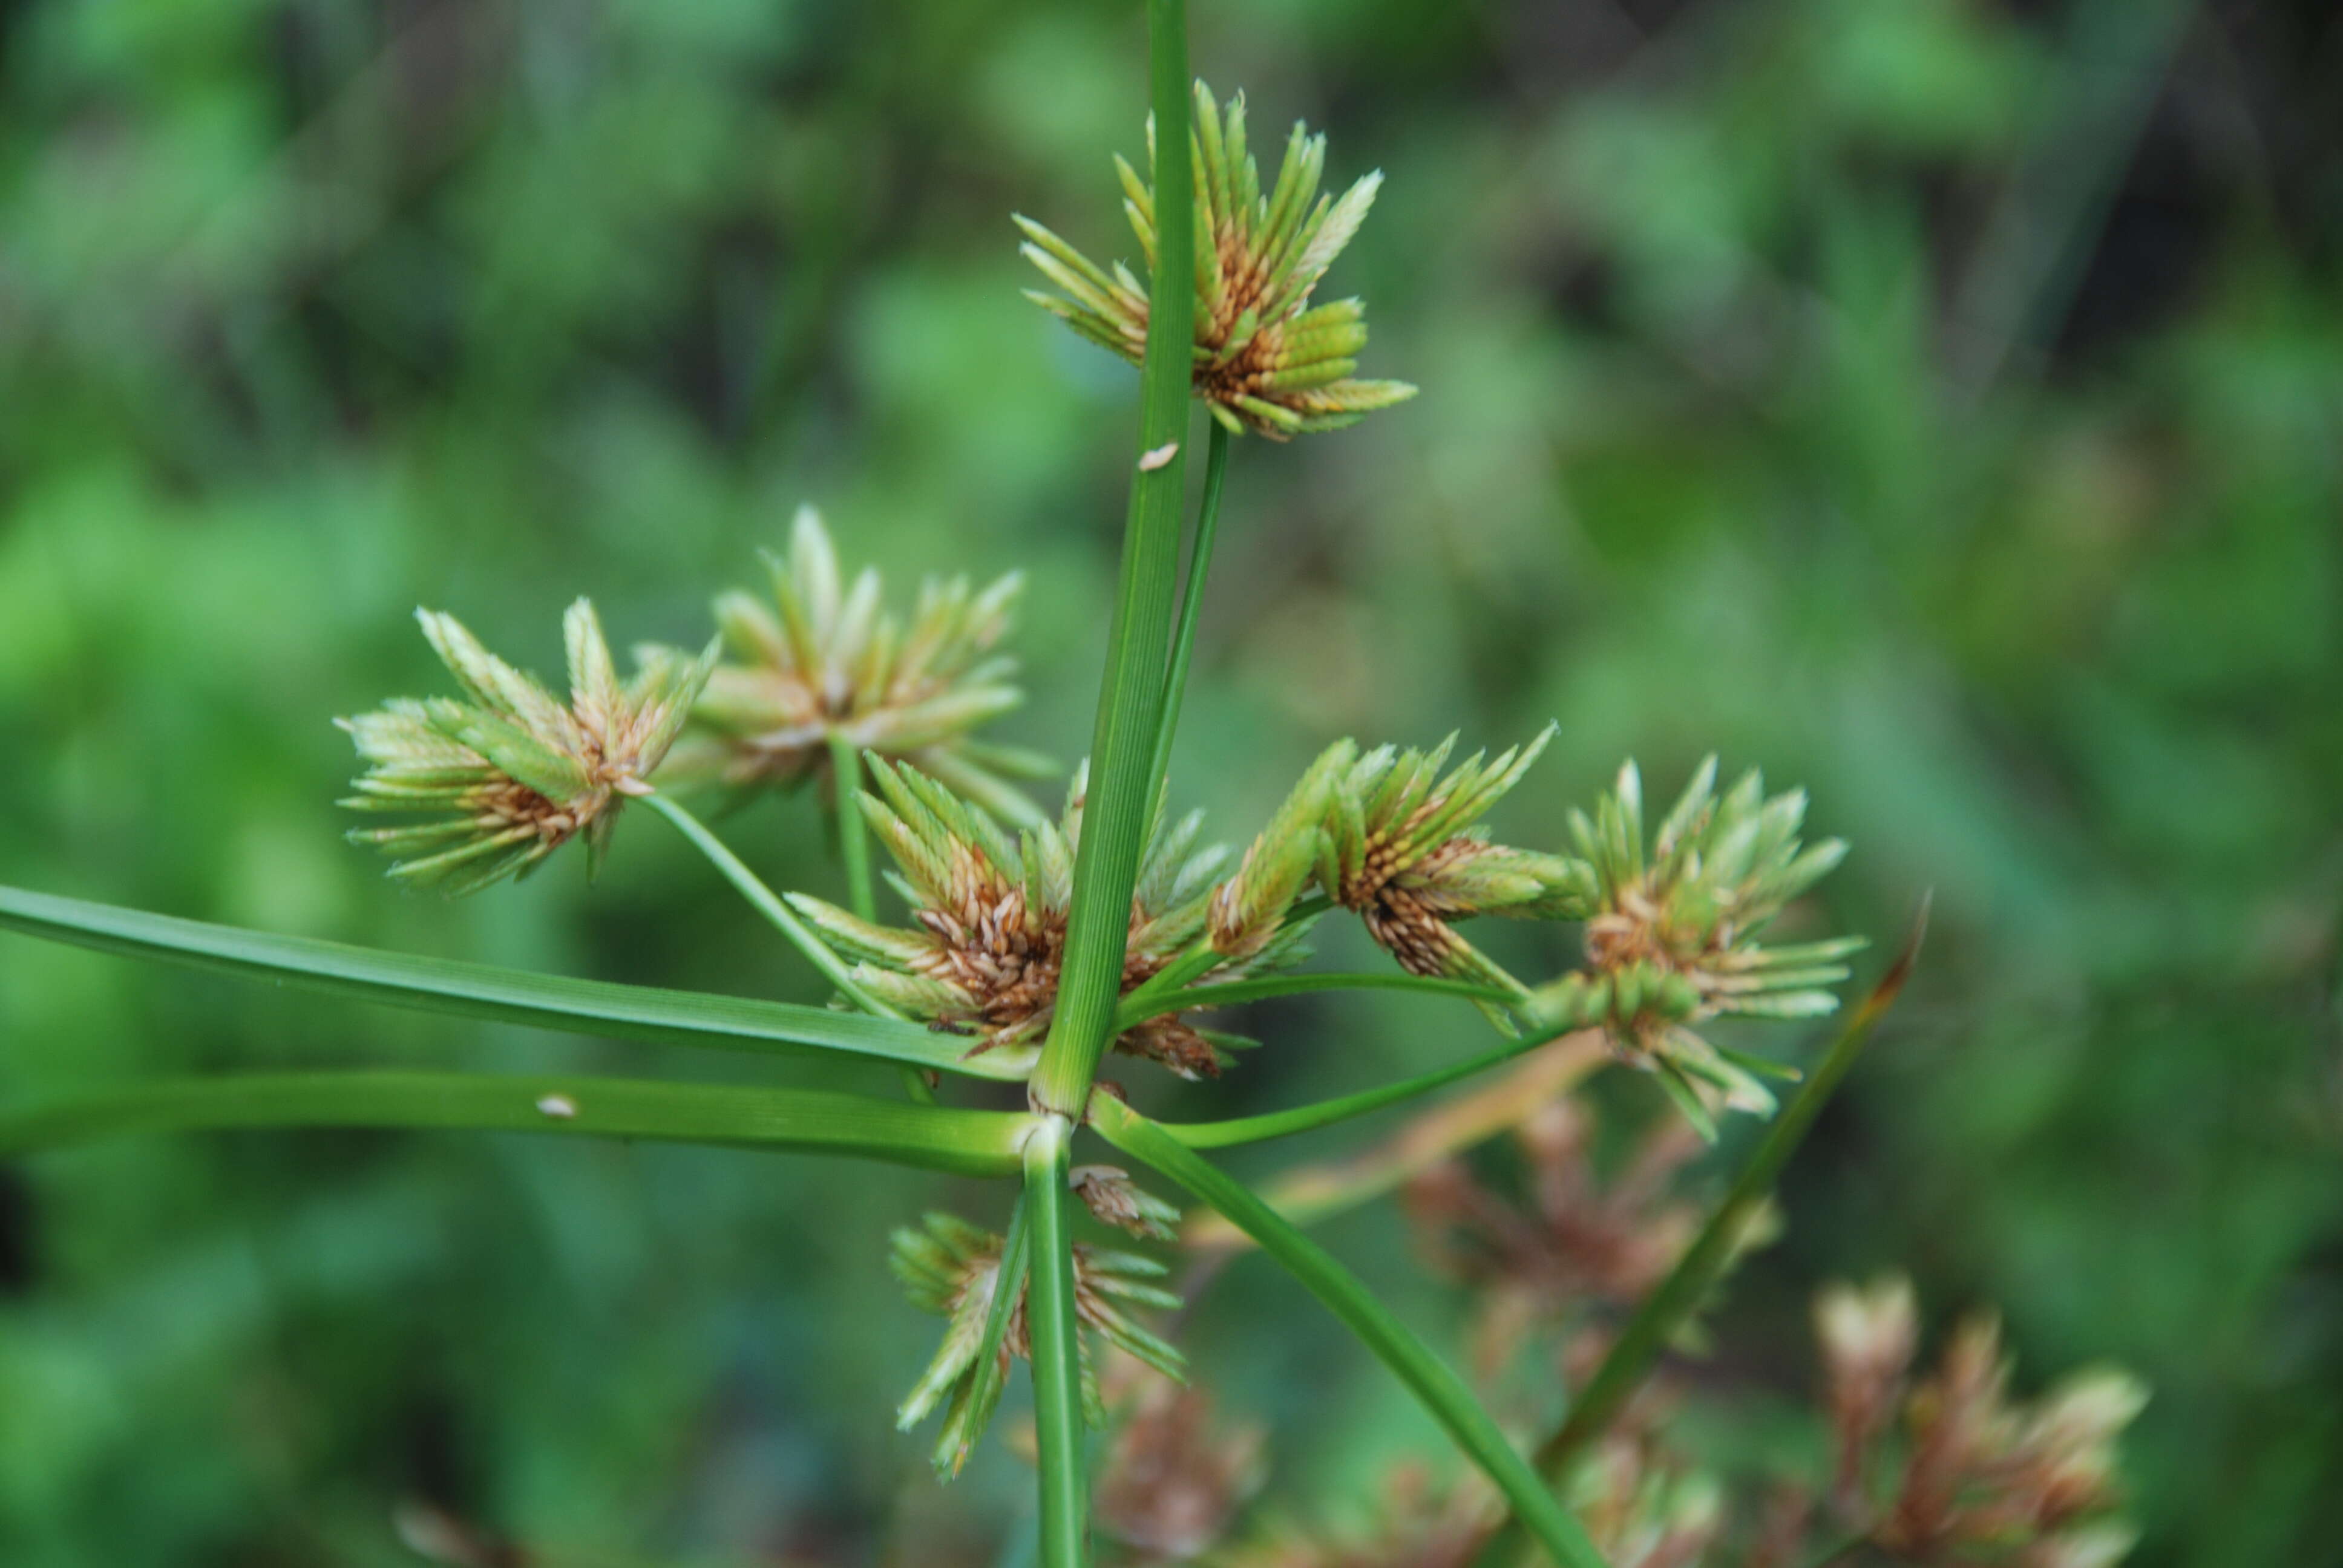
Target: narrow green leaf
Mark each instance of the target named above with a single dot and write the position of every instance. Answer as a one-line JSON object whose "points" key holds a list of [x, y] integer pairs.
{"points": [[1327, 1113], [968, 1142], [1139, 1007], [1441, 1391], [481, 990]]}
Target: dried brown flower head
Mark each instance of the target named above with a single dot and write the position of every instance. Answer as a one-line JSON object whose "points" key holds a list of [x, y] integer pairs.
{"points": [[1575, 1239], [1113, 1199], [1982, 1479], [1868, 1337], [1175, 1478]]}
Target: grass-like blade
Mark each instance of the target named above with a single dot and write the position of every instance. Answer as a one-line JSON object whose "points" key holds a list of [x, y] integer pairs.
{"points": [[1327, 1113], [1430, 1379], [968, 1142], [482, 990], [1139, 1007]]}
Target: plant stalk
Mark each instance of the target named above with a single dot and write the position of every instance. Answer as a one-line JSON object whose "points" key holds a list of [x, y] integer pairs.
{"points": [[1116, 816], [1057, 1355], [769, 904], [1441, 1391], [1327, 1113], [1192, 597]]}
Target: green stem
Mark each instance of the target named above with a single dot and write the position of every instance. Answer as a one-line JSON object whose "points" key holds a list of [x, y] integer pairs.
{"points": [[1327, 1113], [1057, 1356], [853, 833], [769, 904], [1191, 600], [1440, 1390], [1664, 1311], [1141, 1006], [968, 1142], [854, 848], [1116, 816]]}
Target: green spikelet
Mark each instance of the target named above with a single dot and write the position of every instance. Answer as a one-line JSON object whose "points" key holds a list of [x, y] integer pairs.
{"points": [[1672, 939], [821, 658], [1265, 358], [1403, 849], [511, 774]]}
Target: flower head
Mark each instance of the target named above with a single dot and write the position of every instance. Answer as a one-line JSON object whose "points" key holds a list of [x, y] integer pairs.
{"points": [[2035, 1485], [1402, 851], [1868, 1336], [1576, 1238], [824, 658], [953, 1268], [989, 912], [1265, 358], [1671, 940], [512, 774], [1173, 1477], [1113, 1199]]}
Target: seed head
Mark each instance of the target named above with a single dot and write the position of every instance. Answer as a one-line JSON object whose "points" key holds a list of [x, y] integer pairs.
{"points": [[1868, 1336], [823, 658], [1985, 1479], [1570, 1239], [512, 774], [1249, 909], [1173, 1477], [953, 1268], [1113, 1199], [1672, 939], [1265, 358], [988, 938], [1404, 851]]}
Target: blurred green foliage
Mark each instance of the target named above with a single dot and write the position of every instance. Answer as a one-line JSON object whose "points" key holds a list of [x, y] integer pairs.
{"points": [[1939, 403]]}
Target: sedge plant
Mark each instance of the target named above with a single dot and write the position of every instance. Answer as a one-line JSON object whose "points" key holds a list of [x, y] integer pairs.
{"points": [[983, 936]]}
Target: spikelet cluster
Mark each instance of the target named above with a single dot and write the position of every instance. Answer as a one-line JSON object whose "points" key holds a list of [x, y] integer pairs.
{"points": [[1266, 359], [987, 944], [1570, 1239], [1671, 940], [1404, 850], [510, 773], [822, 657], [1980, 1478], [953, 1268], [1173, 1477]]}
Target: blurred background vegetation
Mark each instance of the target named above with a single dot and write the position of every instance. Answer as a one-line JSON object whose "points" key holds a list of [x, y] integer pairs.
{"points": [[1937, 402]]}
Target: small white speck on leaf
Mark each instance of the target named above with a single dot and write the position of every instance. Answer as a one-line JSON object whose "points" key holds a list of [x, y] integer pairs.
{"points": [[1150, 462], [559, 1106]]}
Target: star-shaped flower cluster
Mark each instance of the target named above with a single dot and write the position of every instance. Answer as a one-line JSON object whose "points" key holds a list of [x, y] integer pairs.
{"points": [[983, 954], [1266, 359], [512, 773]]}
